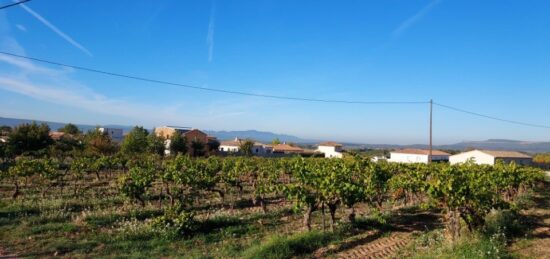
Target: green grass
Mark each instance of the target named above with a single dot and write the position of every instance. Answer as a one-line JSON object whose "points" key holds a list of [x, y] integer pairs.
{"points": [[53, 228], [471, 246], [278, 247]]}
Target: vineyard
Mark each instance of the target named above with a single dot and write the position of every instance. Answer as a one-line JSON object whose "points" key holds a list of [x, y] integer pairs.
{"points": [[238, 206]]}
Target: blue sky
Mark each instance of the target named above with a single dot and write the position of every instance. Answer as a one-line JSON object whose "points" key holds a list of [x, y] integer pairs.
{"points": [[492, 57]]}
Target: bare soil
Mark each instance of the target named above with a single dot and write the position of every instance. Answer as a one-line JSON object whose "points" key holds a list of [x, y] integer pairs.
{"points": [[537, 242]]}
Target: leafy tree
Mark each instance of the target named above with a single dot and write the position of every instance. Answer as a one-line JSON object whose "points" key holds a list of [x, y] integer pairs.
{"points": [[30, 138], [135, 142], [67, 145], [178, 144], [212, 146], [155, 144], [542, 158], [3, 151], [276, 141], [98, 143], [197, 147], [246, 146], [70, 128], [5, 130]]}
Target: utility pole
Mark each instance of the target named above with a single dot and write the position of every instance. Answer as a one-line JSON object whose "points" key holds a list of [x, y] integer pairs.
{"points": [[431, 148]]}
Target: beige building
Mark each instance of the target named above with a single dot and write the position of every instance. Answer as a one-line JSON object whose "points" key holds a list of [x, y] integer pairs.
{"points": [[490, 157], [167, 131], [191, 135]]}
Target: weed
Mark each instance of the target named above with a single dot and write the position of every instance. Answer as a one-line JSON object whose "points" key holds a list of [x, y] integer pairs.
{"points": [[288, 247]]}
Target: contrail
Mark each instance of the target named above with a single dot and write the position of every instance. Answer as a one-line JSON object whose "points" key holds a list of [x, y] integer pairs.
{"points": [[210, 36], [413, 19], [56, 30]]}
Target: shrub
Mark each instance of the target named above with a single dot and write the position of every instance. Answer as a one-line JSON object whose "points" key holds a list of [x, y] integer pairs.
{"points": [[175, 223], [505, 222]]}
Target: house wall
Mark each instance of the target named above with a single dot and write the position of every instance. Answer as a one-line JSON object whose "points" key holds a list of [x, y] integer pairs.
{"points": [[476, 156], [164, 132], [408, 158], [330, 151], [256, 149], [228, 148], [196, 135]]}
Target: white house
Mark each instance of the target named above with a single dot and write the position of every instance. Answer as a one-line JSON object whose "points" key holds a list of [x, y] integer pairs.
{"points": [[411, 155], [233, 146], [115, 134], [490, 157], [330, 149]]}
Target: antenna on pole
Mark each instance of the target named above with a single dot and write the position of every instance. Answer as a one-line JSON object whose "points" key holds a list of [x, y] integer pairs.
{"points": [[431, 147]]}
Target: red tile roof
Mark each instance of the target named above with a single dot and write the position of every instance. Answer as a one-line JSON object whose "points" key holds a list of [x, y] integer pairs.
{"points": [[56, 135], [286, 148]]}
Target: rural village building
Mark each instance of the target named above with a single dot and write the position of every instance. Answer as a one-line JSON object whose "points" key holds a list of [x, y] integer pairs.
{"points": [[490, 157], [411, 155], [330, 149], [191, 135], [167, 131], [233, 146], [286, 149]]}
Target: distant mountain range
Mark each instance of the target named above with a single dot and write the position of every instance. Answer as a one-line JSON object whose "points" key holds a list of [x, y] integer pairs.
{"points": [[263, 136]]}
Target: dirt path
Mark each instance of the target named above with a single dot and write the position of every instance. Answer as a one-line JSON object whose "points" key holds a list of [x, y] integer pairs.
{"points": [[378, 244], [537, 243], [383, 247]]}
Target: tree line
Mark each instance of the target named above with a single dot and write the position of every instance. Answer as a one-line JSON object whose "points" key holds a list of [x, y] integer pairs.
{"points": [[32, 139]]}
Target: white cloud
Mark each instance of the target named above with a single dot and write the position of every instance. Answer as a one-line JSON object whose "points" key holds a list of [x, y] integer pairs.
{"points": [[88, 101], [21, 27], [55, 85], [28, 66], [415, 18], [210, 35], [56, 30]]}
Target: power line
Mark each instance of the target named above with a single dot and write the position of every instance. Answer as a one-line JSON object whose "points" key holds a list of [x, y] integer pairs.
{"points": [[492, 117], [144, 79], [207, 88], [13, 4]]}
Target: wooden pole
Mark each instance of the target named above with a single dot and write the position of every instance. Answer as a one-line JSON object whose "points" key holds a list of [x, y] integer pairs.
{"points": [[431, 148]]}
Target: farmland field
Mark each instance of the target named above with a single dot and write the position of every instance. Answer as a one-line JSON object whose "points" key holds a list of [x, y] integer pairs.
{"points": [[235, 207]]}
